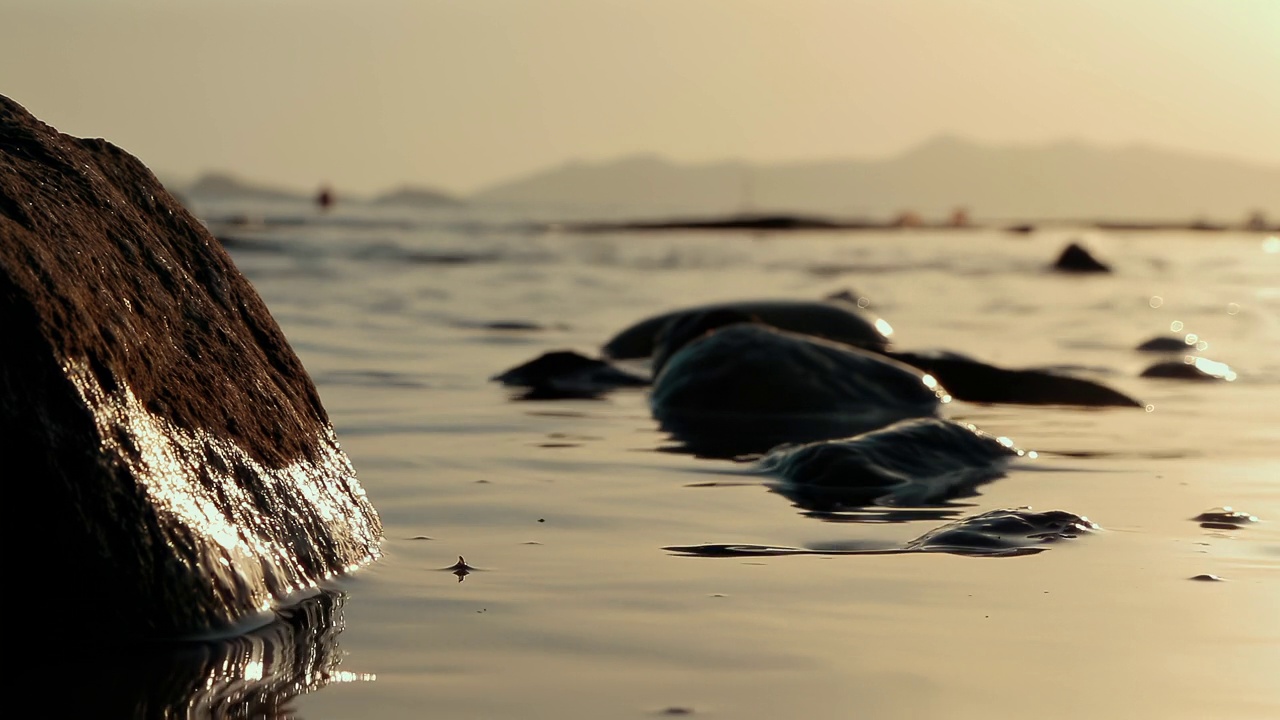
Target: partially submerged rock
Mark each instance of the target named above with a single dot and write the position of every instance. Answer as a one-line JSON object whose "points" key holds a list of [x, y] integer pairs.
{"points": [[1166, 343], [975, 381], [178, 473], [914, 462], [746, 387], [836, 321], [566, 374], [997, 533], [1076, 259], [1225, 518], [1191, 368], [1003, 532]]}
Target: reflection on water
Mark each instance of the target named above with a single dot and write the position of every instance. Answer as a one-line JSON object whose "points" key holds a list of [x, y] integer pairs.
{"points": [[256, 675]]}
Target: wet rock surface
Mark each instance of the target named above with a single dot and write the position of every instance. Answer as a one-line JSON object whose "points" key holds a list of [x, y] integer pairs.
{"points": [[997, 533], [180, 472], [833, 320], [910, 463], [975, 381], [1165, 343], [1225, 518], [564, 374], [1191, 368], [759, 387]]}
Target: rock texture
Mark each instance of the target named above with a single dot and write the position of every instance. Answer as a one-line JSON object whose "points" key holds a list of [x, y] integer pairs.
{"points": [[169, 466], [832, 320], [923, 461]]}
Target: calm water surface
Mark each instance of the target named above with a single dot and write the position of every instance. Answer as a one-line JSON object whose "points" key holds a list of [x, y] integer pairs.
{"points": [[576, 611]]}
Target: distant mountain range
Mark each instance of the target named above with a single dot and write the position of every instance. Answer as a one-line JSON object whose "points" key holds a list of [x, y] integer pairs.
{"points": [[222, 186], [1063, 180], [1068, 180]]}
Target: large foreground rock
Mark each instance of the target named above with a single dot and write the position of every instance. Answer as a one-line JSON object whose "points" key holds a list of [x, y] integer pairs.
{"points": [[168, 466]]}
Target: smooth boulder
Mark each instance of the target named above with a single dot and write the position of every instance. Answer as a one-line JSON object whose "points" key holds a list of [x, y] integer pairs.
{"points": [[833, 320], [914, 462], [172, 470], [746, 387], [975, 381]]}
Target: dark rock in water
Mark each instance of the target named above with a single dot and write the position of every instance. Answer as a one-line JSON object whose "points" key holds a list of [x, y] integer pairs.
{"points": [[687, 327], [998, 533], [1164, 343], [745, 388], [837, 321], [974, 381], [915, 462], [1076, 259], [178, 472], [1191, 368], [1003, 532], [564, 374], [1225, 518]]}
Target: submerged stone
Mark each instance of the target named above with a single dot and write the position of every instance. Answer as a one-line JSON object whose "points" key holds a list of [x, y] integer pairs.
{"points": [[566, 374], [1018, 531], [1191, 368], [914, 462], [831, 320], [1165, 343], [759, 387], [997, 533], [178, 473], [975, 381], [1225, 518], [1076, 259]]}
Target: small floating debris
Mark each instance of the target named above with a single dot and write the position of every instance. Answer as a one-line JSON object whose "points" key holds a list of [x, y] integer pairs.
{"points": [[1207, 577], [1225, 518]]}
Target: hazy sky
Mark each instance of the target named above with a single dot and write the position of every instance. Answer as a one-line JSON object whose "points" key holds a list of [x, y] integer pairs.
{"points": [[455, 94]]}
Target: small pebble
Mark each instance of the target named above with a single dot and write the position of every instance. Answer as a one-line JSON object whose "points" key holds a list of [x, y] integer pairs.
{"points": [[1206, 577]]}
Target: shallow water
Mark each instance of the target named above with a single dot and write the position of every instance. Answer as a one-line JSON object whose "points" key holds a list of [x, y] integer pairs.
{"points": [[574, 610]]}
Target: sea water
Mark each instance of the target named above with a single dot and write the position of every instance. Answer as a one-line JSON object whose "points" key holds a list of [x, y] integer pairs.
{"points": [[562, 508]]}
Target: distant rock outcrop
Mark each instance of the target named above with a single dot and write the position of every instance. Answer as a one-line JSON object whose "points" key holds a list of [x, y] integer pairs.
{"points": [[416, 197], [172, 470], [1074, 258]]}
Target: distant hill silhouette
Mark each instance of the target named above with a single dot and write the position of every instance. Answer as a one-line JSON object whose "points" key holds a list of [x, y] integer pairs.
{"points": [[416, 197], [1061, 180], [223, 186]]}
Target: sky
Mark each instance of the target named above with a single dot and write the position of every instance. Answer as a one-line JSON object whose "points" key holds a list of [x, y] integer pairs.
{"points": [[458, 94]]}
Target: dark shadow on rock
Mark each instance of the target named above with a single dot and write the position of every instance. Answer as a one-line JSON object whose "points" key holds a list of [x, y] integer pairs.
{"points": [[834, 320], [1191, 368], [255, 675], [916, 463], [564, 374], [974, 381], [1075, 259], [997, 533]]}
